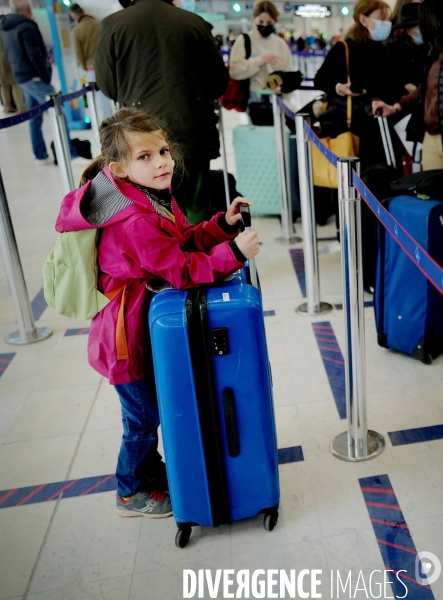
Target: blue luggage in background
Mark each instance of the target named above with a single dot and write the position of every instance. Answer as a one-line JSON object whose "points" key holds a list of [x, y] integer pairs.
{"points": [[216, 408], [408, 308]]}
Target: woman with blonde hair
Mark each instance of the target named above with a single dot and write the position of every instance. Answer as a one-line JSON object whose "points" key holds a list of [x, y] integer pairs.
{"points": [[366, 76]]}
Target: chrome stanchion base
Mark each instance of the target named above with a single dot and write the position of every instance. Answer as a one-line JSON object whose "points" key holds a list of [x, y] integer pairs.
{"points": [[321, 309], [340, 448], [294, 239], [41, 333]]}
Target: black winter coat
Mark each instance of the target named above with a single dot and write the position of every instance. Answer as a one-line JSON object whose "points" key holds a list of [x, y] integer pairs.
{"points": [[407, 62], [25, 49], [369, 70], [164, 61]]}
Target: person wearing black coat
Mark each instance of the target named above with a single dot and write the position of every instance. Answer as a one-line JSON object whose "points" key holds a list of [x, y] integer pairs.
{"points": [[163, 60], [406, 49]]}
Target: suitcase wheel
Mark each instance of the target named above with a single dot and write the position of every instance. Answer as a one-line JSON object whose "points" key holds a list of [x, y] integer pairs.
{"points": [[427, 360], [182, 537], [270, 520]]}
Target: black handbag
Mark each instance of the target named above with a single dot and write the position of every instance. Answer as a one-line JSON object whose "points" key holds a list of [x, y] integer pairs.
{"points": [[260, 112], [287, 81]]}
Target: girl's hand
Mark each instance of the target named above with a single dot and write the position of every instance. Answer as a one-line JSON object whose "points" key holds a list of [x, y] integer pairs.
{"points": [[233, 215], [386, 110], [247, 243]]}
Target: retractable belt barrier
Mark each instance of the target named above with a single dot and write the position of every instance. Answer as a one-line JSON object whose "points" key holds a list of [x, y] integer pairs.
{"points": [[39, 110], [358, 442], [27, 331]]}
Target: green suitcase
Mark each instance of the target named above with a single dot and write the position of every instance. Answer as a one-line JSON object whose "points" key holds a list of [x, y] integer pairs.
{"points": [[256, 167]]}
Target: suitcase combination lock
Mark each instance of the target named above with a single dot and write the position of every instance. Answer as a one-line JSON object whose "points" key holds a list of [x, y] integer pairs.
{"points": [[220, 341]]}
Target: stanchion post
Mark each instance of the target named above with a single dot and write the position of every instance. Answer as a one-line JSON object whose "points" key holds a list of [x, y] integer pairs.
{"points": [[61, 142], [285, 208], [27, 332], [313, 306], [92, 103], [358, 443], [221, 132]]}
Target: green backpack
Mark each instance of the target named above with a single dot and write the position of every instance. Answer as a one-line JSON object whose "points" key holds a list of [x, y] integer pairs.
{"points": [[70, 276]]}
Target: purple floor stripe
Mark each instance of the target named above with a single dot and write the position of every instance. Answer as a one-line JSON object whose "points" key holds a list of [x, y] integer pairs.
{"points": [[394, 539], [52, 491], [298, 261], [80, 331], [5, 361], [39, 305], [333, 362], [414, 436], [290, 455], [269, 313]]}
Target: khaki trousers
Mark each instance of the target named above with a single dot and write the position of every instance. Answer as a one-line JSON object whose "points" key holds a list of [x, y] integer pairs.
{"points": [[432, 153]]}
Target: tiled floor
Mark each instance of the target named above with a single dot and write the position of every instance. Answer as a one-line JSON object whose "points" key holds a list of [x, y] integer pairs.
{"points": [[59, 422]]}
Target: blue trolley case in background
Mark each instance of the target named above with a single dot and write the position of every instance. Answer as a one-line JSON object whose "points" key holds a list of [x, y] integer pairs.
{"points": [[216, 408], [408, 308]]}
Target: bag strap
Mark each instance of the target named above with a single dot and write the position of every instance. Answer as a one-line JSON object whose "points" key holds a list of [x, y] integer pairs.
{"points": [[348, 77], [247, 40], [121, 341]]}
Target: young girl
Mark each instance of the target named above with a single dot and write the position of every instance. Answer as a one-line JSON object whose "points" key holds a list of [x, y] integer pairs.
{"points": [[145, 246]]}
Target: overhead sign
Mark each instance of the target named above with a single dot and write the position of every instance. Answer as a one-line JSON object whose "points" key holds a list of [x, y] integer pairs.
{"points": [[312, 11]]}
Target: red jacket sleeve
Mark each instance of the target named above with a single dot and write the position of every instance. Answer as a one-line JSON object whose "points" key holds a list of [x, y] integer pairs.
{"points": [[203, 236], [162, 257]]}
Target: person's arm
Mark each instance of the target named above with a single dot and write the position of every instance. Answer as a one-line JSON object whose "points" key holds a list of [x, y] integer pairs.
{"points": [[105, 62], [333, 71], [78, 49], [240, 67], [404, 106], [35, 49], [163, 258], [222, 227]]}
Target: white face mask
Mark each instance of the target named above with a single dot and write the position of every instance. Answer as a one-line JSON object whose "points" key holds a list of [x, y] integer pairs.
{"points": [[382, 30]]}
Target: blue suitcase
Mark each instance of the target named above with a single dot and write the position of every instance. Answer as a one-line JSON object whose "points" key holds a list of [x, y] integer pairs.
{"points": [[408, 308], [216, 408]]}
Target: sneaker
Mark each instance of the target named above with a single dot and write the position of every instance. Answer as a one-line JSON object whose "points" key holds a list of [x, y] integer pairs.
{"points": [[44, 161], [154, 505], [80, 161]]}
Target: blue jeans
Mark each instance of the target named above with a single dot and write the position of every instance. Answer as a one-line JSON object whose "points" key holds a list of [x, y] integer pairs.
{"points": [[138, 458], [35, 93]]}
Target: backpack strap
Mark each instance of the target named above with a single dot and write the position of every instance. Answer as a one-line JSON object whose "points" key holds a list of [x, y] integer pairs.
{"points": [[247, 40], [121, 342]]}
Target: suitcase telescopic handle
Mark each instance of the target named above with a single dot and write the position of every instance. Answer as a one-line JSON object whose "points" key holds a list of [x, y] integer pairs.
{"points": [[230, 422], [245, 225], [386, 139]]}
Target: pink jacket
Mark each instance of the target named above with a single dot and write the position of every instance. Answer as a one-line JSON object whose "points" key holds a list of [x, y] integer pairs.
{"points": [[140, 247]]}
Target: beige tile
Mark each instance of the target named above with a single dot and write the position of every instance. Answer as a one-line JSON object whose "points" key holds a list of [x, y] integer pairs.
{"points": [[116, 588], [97, 453], [37, 461], [22, 531], [67, 368], [53, 413], [88, 542]]}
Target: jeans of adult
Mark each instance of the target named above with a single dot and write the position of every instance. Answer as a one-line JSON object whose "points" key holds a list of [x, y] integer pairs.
{"points": [[138, 459], [36, 93]]}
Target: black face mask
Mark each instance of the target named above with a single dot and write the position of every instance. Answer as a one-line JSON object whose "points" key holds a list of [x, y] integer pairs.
{"points": [[265, 30]]}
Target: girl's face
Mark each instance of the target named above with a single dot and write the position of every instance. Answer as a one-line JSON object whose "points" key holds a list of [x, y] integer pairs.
{"points": [[150, 163], [264, 19]]}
